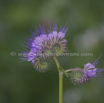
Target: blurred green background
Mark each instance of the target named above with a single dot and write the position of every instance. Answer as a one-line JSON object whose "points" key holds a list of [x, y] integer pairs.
{"points": [[20, 82]]}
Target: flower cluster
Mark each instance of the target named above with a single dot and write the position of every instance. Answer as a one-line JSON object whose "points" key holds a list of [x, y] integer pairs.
{"points": [[82, 76], [46, 44], [43, 45]]}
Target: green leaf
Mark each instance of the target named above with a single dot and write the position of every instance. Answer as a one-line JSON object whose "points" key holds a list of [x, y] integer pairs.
{"points": [[67, 74], [61, 69]]}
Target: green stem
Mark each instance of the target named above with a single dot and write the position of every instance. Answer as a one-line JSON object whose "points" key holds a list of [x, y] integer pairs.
{"points": [[57, 63], [73, 70], [60, 87], [60, 80]]}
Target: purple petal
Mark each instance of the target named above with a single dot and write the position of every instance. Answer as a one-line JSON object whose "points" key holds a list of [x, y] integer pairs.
{"points": [[61, 35], [89, 66]]}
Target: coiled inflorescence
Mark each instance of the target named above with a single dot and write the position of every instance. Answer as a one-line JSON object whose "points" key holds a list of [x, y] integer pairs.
{"points": [[82, 76], [43, 45]]}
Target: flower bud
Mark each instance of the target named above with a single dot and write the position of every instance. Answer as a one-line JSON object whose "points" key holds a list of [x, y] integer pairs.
{"points": [[78, 77], [41, 64]]}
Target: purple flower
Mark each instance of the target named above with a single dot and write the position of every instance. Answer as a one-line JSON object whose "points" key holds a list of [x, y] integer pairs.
{"points": [[84, 75], [44, 43], [91, 71]]}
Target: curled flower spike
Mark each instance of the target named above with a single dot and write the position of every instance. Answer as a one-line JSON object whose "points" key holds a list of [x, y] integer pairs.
{"points": [[45, 44], [41, 64], [84, 75], [78, 77]]}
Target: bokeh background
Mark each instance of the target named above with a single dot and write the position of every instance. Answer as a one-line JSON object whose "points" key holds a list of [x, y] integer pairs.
{"points": [[19, 81]]}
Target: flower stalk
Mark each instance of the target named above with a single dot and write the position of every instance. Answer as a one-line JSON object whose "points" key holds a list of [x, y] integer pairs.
{"points": [[60, 87], [60, 80], [69, 70]]}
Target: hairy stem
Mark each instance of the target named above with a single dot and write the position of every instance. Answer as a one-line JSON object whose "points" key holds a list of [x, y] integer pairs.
{"points": [[69, 70], [60, 80], [60, 87], [57, 63]]}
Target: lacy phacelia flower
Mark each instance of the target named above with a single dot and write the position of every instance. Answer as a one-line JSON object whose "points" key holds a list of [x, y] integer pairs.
{"points": [[84, 75], [45, 44]]}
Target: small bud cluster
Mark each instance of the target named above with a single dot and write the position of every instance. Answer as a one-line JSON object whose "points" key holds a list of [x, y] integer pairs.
{"points": [[84, 75], [78, 77]]}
